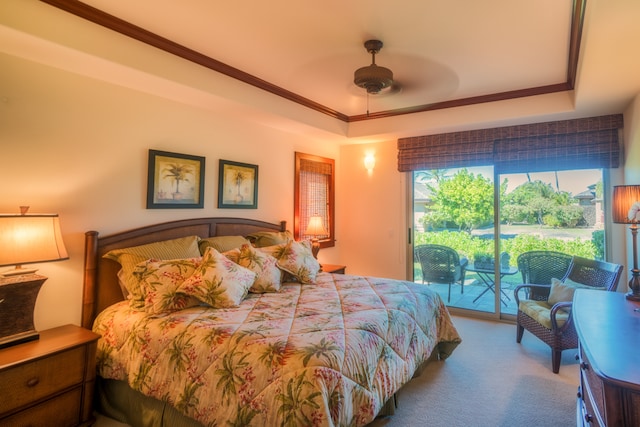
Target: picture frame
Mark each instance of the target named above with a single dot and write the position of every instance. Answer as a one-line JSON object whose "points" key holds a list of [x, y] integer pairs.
{"points": [[237, 185], [175, 181]]}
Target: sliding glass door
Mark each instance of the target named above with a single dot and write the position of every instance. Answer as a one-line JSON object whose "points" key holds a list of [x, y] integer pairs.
{"points": [[487, 227], [453, 229], [559, 211]]}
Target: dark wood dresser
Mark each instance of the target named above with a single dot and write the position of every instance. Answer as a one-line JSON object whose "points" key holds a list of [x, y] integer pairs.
{"points": [[608, 327]]}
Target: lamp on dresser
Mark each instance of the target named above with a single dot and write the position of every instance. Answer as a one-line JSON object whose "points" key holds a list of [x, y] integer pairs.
{"points": [[315, 229], [626, 210], [24, 239]]}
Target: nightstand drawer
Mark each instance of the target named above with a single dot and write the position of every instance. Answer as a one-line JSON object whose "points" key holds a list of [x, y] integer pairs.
{"points": [[61, 411], [41, 378]]}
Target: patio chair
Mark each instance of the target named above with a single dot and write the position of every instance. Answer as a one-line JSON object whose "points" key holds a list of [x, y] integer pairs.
{"points": [[546, 312], [441, 264], [539, 267]]}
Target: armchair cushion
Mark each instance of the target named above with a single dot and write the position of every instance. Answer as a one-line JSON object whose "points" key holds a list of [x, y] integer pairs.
{"points": [[563, 291], [540, 311]]}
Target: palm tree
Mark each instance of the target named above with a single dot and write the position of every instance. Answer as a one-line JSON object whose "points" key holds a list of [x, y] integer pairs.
{"points": [[239, 177], [177, 172]]}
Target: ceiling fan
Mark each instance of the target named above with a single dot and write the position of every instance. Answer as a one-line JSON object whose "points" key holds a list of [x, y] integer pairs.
{"points": [[373, 78]]}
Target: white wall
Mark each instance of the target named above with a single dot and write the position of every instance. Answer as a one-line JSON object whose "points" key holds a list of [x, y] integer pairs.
{"points": [[371, 210]]}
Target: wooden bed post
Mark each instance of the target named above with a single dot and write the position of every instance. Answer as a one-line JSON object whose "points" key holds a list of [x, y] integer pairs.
{"points": [[90, 279]]}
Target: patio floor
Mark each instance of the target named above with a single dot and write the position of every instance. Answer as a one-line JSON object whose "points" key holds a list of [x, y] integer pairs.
{"points": [[472, 288]]}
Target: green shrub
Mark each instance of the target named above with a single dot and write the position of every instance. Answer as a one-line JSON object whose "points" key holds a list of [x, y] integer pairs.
{"points": [[597, 237], [467, 245]]}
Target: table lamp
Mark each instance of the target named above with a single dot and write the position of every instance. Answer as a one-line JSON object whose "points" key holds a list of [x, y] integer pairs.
{"points": [[626, 210], [24, 239], [315, 229]]}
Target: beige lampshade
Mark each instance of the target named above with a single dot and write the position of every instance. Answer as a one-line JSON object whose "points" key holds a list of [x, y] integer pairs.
{"points": [[27, 239], [626, 204], [315, 227]]}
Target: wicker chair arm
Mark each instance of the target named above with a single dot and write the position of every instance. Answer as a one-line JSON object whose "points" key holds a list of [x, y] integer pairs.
{"points": [[565, 306], [534, 292]]}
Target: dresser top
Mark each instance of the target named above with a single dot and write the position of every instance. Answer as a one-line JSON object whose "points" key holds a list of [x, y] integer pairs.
{"points": [[608, 326], [51, 341]]}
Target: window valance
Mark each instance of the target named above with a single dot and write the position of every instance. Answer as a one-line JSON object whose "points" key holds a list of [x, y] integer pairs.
{"points": [[592, 142]]}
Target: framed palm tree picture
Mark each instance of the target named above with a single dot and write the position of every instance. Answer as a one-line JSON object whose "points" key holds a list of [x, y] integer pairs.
{"points": [[175, 181], [237, 185]]}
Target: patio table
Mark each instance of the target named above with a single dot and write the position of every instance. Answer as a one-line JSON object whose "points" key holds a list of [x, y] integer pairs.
{"points": [[487, 276]]}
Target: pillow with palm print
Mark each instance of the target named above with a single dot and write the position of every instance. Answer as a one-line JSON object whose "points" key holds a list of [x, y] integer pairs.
{"points": [[159, 281], [218, 281], [268, 275], [298, 260], [129, 258], [275, 251]]}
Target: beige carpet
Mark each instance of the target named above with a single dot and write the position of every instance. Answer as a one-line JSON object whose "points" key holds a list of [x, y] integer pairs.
{"points": [[490, 381]]}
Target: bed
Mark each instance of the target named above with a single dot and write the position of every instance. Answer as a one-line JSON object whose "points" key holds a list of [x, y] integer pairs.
{"points": [[323, 349]]}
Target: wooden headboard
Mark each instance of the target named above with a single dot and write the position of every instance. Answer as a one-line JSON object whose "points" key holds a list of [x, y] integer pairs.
{"points": [[101, 287]]}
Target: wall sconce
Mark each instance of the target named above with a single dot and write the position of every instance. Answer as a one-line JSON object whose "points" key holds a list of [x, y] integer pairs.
{"points": [[626, 210], [369, 162], [24, 239], [315, 229]]}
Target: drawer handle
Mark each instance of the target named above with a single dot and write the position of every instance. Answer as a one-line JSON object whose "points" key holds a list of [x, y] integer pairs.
{"points": [[33, 382], [588, 418], [584, 366]]}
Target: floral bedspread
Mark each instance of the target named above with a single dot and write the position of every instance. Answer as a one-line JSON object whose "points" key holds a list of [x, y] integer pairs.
{"points": [[323, 354]]}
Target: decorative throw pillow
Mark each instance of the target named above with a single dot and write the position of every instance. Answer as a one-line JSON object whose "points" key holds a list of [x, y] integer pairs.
{"points": [[268, 275], [260, 239], [222, 243], [275, 251], [233, 255], [298, 260], [159, 281], [129, 258], [563, 291], [218, 281]]}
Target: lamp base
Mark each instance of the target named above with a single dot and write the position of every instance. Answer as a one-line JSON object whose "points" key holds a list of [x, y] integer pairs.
{"points": [[18, 295], [315, 247], [632, 297], [634, 285], [18, 272]]}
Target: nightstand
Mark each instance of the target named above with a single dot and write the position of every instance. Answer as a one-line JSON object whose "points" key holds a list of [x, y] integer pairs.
{"points": [[329, 268], [49, 381]]}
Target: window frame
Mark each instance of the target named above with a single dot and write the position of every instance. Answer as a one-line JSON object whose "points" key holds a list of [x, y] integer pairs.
{"points": [[299, 209]]}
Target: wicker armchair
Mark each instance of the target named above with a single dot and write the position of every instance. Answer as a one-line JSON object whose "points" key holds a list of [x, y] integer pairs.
{"points": [[539, 267], [558, 330], [441, 264]]}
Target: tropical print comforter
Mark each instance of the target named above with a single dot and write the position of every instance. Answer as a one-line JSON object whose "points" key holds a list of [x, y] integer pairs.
{"points": [[328, 353]]}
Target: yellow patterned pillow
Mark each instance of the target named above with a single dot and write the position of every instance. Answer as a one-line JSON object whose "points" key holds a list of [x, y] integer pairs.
{"points": [[298, 260], [129, 258], [222, 243], [268, 275], [260, 239], [218, 281], [159, 282]]}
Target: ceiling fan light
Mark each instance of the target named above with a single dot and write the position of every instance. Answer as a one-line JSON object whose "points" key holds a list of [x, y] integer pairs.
{"points": [[373, 78]]}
